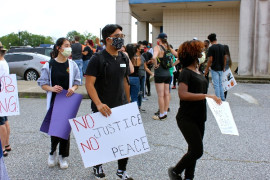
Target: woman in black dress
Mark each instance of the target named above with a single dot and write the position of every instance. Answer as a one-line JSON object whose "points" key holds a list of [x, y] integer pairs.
{"points": [[191, 115]]}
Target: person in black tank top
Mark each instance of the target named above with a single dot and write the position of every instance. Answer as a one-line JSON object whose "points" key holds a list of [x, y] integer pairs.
{"points": [[191, 115], [134, 79], [162, 77]]}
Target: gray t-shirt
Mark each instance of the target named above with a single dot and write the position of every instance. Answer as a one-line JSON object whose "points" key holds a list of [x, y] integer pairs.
{"points": [[76, 51], [141, 68]]}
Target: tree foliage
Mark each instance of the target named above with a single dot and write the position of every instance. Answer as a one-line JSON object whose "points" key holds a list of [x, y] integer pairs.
{"points": [[86, 35], [24, 38]]}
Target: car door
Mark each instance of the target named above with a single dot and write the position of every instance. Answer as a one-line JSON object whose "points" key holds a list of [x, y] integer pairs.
{"points": [[18, 63]]}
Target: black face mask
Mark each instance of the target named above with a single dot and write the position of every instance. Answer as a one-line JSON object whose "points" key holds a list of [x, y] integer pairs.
{"points": [[118, 43], [142, 51]]}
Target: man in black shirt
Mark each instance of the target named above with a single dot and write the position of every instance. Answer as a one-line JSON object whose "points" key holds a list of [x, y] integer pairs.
{"points": [[77, 55], [217, 61], [106, 83]]}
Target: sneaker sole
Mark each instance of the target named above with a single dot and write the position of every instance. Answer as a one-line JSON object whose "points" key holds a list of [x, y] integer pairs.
{"points": [[104, 178]]}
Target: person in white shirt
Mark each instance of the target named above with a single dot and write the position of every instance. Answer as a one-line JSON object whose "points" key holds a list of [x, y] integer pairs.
{"points": [[4, 124]]}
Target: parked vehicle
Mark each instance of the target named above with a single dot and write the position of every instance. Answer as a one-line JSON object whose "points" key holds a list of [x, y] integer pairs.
{"points": [[26, 65], [40, 50]]}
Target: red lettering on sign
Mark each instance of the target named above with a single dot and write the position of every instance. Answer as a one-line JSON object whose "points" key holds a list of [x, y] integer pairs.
{"points": [[90, 143], [86, 118], [77, 122], [88, 147], [6, 84], [9, 105]]}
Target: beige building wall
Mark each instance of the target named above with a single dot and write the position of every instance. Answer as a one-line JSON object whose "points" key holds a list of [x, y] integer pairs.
{"points": [[184, 24]]}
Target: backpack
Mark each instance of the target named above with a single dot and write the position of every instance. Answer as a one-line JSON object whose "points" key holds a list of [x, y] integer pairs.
{"points": [[167, 61]]}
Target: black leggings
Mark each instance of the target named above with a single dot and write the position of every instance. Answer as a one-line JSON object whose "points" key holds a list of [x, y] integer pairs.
{"points": [[63, 146], [147, 83], [193, 133], [175, 77]]}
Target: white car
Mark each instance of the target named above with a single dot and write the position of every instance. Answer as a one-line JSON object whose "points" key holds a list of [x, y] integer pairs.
{"points": [[26, 65]]}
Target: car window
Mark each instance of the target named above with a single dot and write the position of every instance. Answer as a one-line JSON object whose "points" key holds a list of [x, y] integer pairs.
{"points": [[18, 57], [48, 52]]}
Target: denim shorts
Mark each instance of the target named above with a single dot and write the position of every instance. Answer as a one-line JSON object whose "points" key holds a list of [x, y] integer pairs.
{"points": [[3, 120]]}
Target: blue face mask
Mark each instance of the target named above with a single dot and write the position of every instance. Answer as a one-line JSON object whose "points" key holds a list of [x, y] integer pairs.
{"points": [[148, 46], [101, 43]]}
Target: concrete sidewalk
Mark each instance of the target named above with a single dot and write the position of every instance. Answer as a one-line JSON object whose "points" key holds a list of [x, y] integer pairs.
{"points": [[30, 89]]}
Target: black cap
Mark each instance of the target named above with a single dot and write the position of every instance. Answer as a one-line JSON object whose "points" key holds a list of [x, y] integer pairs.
{"points": [[162, 36]]}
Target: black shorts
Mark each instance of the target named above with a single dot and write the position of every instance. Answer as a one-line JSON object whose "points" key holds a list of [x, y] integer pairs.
{"points": [[163, 79], [3, 120]]}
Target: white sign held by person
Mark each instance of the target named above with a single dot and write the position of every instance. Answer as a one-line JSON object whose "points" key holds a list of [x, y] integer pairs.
{"points": [[228, 80], [223, 116], [9, 101], [103, 139]]}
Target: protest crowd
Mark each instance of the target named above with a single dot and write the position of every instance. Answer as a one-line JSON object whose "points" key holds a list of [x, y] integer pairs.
{"points": [[115, 74]]}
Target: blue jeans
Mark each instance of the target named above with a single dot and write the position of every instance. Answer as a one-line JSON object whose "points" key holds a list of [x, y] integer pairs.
{"points": [[140, 95], [217, 81], [79, 62], [85, 64], [134, 88]]}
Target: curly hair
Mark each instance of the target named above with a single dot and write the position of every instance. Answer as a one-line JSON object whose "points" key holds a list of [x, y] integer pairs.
{"points": [[190, 51]]}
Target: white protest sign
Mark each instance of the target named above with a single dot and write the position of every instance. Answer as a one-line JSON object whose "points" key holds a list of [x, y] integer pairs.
{"points": [[228, 80], [223, 116], [9, 101], [118, 136]]}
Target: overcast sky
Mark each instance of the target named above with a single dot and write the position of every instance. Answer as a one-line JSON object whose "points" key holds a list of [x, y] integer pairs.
{"points": [[56, 18]]}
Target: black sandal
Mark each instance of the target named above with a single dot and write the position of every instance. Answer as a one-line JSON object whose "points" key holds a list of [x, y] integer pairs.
{"points": [[9, 148], [5, 154]]}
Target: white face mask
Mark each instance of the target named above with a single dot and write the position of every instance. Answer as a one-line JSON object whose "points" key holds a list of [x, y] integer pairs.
{"points": [[67, 52]]}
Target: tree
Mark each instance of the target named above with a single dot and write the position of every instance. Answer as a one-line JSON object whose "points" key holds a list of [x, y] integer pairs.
{"points": [[83, 37], [24, 38]]}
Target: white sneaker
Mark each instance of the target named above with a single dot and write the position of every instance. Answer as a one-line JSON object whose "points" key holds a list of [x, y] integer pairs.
{"points": [[52, 160], [63, 162]]}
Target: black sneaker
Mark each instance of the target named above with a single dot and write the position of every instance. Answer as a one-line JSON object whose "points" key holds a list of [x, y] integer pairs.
{"points": [[142, 110], [98, 172], [173, 175], [157, 117], [149, 94], [123, 175], [157, 113]]}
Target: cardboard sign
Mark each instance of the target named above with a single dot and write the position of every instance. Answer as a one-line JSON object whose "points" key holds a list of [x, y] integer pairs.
{"points": [[9, 100], [56, 122], [228, 80], [103, 139], [223, 116]]}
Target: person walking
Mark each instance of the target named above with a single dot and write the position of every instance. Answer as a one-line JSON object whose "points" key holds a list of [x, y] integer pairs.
{"points": [[77, 55], [4, 123], [87, 54], [191, 114], [58, 74], [162, 75], [217, 62], [228, 63], [101, 83]]}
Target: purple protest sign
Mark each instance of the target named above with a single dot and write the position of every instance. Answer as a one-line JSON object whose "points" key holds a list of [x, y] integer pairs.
{"points": [[64, 108]]}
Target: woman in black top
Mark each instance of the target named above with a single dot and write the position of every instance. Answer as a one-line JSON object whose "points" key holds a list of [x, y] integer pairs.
{"points": [[134, 79], [191, 115]]}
